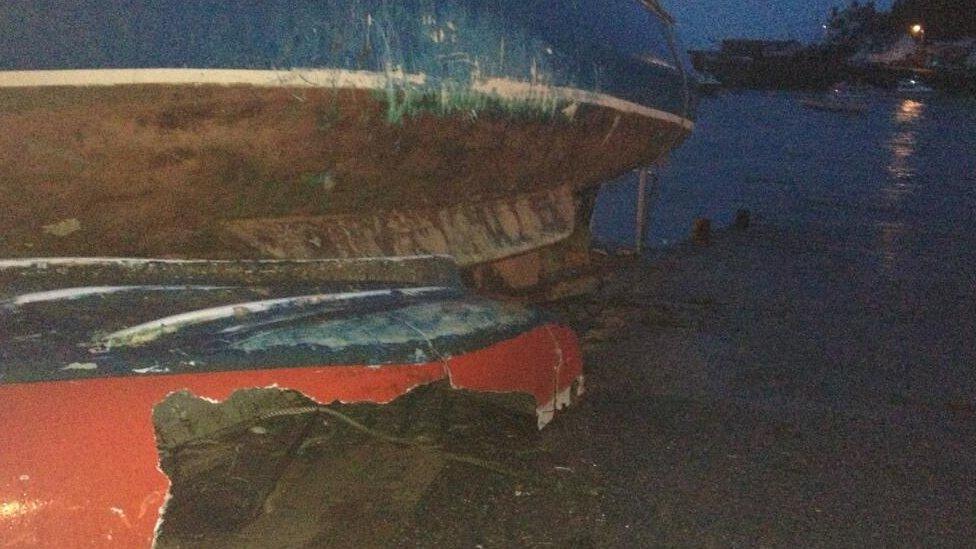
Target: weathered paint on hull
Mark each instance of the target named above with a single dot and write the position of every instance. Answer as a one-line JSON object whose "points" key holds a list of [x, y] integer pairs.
{"points": [[397, 108], [470, 233], [80, 465], [622, 48], [154, 170]]}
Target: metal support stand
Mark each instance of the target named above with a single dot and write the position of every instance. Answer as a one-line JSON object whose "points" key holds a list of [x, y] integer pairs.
{"points": [[641, 211], [645, 201]]}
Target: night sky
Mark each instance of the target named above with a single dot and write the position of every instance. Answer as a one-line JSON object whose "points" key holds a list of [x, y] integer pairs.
{"points": [[702, 23]]}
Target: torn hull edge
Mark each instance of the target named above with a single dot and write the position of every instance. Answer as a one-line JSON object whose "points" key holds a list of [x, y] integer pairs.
{"points": [[85, 469], [80, 464]]}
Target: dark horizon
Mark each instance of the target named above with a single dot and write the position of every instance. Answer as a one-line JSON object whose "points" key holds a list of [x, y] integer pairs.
{"points": [[701, 24]]}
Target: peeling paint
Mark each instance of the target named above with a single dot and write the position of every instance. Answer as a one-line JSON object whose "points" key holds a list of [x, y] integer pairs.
{"points": [[127, 477], [10, 510], [81, 366], [150, 331], [470, 233], [102, 421], [151, 370], [62, 228], [431, 321], [547, 412]]}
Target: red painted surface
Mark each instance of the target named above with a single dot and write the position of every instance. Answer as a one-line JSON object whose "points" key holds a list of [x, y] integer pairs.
{"points": [[78, 459], [541, 365]]}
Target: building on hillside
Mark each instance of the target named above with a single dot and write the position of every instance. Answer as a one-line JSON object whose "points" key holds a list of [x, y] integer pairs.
{"points": [[950, 54], [903, 50], [761, 49]]}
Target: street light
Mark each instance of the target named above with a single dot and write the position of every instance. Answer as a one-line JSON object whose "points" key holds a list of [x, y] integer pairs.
{"points": [[917, 31]]}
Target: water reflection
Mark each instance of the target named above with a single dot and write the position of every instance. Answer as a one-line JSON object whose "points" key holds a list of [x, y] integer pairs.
{"points": [[909, 111], [889, 243], [903, 148], [902, 180]]}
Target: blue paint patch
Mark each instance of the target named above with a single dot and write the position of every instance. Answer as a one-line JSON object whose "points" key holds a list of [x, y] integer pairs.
{"points": [[416, 324], [46, 341]]}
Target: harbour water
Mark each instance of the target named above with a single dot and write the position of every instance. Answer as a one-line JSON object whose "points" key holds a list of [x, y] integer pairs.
{"points": [[888, 198], [897, 177]]}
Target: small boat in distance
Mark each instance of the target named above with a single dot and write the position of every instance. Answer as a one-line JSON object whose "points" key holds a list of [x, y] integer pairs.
{"points": [[913, 86], [842, 98], [707, 84]]}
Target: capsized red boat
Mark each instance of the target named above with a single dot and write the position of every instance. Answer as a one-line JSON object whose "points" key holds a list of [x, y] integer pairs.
{"points": [[91, 346]]}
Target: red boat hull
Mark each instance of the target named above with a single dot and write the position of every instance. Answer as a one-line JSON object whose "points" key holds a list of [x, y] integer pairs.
{"points": [[79, 464]]}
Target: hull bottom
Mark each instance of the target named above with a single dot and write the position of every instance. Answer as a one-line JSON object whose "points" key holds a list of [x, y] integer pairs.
{"points": [[164, 170]]}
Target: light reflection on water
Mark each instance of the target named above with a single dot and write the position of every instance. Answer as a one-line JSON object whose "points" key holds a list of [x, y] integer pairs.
{"points": [[890, 247], [902, 183], [909, 110], [886, 203], [903, 144]]}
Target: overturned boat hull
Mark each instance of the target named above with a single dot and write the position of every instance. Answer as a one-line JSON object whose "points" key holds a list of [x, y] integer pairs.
{"points": [[120, 140], [83, 368]]}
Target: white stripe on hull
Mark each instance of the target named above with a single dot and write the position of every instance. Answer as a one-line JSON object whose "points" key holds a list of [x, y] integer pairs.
{"points": [[294, 78], [515, 89], [318, 78], [69, 294]]}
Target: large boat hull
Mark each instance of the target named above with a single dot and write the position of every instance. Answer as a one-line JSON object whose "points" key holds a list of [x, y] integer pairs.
{"points": [[150, 170], [110, 145]]}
